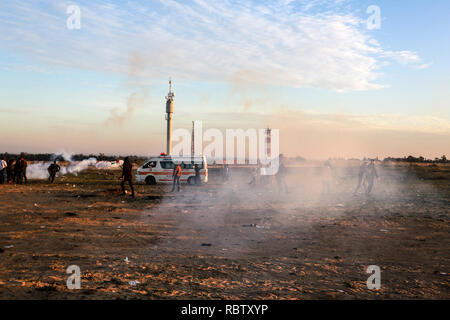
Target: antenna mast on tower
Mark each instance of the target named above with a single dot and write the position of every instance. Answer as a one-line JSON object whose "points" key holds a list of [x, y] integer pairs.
{"points": [[169, 113]]}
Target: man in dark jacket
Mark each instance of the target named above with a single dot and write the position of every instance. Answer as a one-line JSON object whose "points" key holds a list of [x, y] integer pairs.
{"points": [[198, 180], [18, 171], [52, 170], [127, 176], [10, 171], [23, 169]]}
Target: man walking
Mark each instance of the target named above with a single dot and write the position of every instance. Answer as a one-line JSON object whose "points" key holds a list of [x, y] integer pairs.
{"points": [[127, 176], [176, 177]]}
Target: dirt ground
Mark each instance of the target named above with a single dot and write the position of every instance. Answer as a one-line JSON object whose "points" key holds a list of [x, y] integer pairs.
{"points": [[229, 241]]}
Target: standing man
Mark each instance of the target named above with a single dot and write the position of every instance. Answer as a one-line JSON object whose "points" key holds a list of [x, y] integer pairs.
{"points": [[127, 176], [10, 171], [18, 171], [370, 176], [176, 177], [198, 180], [225, 172], [52, 170], [281, 175], [23, 165], [361, 176], [3, 166]]}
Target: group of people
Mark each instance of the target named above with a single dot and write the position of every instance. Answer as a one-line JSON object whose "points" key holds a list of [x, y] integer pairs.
{"points": [[280, 175], [15, 169], [16, 172], [177, 173], [366, 176]]}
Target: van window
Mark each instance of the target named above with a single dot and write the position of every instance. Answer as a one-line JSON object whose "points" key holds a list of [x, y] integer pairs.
{"points": [[191, 165], [167, 165], [187, 166], [150, 164]]}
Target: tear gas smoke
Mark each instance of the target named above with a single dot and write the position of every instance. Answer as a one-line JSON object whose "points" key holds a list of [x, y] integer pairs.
{"points": [[237, 217], [39, 170]]}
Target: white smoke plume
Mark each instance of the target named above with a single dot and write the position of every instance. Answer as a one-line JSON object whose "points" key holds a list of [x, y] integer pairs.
{"points": [[38, 170]]}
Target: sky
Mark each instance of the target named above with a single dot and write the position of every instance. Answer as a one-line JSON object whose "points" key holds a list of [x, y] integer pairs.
{"points": [[315, 70]]}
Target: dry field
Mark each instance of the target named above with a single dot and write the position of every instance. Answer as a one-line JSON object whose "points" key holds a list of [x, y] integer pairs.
{"points": [[229, 241]]}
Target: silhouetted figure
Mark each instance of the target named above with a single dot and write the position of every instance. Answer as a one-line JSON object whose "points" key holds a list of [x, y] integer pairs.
{"points": [[370, 176], [176, 177], [361, 176], [23, 170], [281, 175], [127, 176], [198, 180], [53, 169], [10, 171], [225, 172], [18, 171]]}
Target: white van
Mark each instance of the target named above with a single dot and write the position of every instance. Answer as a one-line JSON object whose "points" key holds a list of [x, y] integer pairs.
{"points": [[159, 169]]}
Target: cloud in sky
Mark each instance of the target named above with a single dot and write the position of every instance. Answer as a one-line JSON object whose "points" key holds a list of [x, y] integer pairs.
{"points": [[318, 44]]}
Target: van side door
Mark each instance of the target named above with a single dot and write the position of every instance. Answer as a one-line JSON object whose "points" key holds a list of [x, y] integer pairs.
{"points": [[166, 170]]}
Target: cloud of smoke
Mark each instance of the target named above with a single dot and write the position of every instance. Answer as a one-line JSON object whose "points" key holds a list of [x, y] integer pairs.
{"points": [[135, 81], [39, 170]]}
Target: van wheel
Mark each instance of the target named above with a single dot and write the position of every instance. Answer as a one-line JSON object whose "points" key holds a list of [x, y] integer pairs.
{"points": [[150, 180], [191, 181]]}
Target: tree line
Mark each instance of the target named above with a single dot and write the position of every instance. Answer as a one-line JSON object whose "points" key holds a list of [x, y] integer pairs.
{"points": [[420, 159], [75, 157]]}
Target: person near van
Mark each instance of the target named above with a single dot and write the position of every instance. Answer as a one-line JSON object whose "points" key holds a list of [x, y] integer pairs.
{"points": [[198, 180], [52, 170], [127, 176], [3, 166], [176, 177]]}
